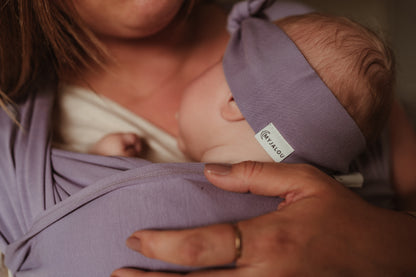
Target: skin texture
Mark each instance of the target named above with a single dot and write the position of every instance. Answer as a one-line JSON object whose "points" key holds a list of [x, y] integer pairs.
{"points": [[127, 18], [200, 106], [152, 60], [211, 126]]}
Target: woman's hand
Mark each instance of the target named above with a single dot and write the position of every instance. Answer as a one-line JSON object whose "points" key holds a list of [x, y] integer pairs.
{"points": [[321, 229]]}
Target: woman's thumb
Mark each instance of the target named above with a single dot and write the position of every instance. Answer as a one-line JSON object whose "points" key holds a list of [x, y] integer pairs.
{"points": [[271, 179]]}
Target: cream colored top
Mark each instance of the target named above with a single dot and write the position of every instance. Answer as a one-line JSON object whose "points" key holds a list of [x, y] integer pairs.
{"points": [[84, 117]]}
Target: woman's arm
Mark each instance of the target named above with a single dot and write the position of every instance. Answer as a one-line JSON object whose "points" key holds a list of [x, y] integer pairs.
{"points": [[403, 157], [321, 229]]}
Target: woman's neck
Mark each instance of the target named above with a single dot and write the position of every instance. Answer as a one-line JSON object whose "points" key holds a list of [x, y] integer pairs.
{"points": [[147, 76]]}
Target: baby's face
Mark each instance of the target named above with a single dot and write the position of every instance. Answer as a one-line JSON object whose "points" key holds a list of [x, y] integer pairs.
{"points": [[199, 115]]}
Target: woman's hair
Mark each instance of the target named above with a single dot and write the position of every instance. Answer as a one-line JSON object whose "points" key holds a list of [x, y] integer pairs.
{"points": [[354, 62], [43, 40]]}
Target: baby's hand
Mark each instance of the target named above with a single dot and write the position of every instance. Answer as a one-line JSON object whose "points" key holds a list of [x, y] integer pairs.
{"points": [[118, 144]]}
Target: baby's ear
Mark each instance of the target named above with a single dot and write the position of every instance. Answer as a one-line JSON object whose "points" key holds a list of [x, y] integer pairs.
{"points": [[230, 110]]}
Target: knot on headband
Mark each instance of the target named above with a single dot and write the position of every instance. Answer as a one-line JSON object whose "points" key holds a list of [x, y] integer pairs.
{"points": [[244, 10], [294, 114]]}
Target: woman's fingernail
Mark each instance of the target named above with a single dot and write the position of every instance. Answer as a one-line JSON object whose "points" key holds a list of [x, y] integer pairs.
{"points": [[218, 169], [117, 273], [133, 243]]}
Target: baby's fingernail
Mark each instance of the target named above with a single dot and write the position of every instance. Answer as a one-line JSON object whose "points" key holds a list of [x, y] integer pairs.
{"points": [[218, 169], [133, 243]]}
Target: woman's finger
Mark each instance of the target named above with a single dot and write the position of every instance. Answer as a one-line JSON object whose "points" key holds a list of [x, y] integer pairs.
{"points": [[206, 246], [290, 181], [129, 272], [213, 245]]}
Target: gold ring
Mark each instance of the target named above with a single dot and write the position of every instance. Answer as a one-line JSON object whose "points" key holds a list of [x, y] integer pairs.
{"points": [[237, 241]]}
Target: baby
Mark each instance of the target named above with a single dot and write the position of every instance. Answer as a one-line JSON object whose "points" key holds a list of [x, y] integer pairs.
{"points": [[310, 88]]}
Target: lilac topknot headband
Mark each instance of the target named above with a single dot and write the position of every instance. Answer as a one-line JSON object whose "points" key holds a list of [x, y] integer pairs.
{"points": [[295, 116]]}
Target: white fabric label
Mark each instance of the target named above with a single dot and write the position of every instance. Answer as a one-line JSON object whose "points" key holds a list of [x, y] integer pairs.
{"points": [[351, 180], [273, 142]]}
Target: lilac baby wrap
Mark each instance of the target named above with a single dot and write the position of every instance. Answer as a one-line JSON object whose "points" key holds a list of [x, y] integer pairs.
{"points": [[68, 214]]}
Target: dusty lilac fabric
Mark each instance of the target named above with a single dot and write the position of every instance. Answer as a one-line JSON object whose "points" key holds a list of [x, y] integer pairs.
{"points": [[272, 82], [69, 214]]}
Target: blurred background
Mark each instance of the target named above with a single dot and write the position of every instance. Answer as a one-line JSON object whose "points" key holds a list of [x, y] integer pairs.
{"points": [[396, 20]]}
